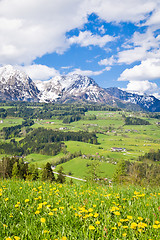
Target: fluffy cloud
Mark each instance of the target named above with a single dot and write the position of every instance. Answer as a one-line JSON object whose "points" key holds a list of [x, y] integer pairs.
{"points": [[147, 70], [88, 72], [144, 45], [143, 87], [39, 72], [87, 38], [107, 61], [30, 29]]}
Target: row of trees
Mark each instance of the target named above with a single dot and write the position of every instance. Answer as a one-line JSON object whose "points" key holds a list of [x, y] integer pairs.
{"points": [[16, 168], [135, 121], [152, 156], [14, 131], [44, 141], [137, 173], [47, 111]]}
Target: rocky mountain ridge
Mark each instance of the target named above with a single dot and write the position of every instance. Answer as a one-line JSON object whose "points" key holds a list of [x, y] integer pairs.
{"points": [[15, 85]]}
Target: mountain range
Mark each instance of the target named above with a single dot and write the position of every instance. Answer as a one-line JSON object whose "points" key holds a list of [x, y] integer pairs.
{"points": [[15, 85]]}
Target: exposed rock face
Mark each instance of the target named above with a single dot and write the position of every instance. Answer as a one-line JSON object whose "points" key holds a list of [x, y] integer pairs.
{"points": [[63, 88], [149, 103], [16, 85]]}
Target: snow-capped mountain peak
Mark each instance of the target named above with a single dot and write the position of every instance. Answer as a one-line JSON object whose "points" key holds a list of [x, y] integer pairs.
{"points": [[16, 85]]}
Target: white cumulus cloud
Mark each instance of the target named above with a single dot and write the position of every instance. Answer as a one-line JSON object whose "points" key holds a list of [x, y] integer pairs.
{"points": [[87, 38], [147, 70], [39, 72], [143, 87], [88, 72], [30, 29]]}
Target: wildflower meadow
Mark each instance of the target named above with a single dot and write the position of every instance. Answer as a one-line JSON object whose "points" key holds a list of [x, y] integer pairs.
{"points": [[51, 211]]}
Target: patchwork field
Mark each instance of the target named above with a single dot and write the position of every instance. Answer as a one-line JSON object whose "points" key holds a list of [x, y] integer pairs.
{"points": [[111, 132]]}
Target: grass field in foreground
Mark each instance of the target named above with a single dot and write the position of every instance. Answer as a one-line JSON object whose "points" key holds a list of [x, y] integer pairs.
{"points": [[37, 210]]}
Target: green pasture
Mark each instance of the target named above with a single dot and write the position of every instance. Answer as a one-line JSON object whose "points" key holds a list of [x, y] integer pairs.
{"points": [[110, 130], [41, 160], [8, 122], [78, 168]]}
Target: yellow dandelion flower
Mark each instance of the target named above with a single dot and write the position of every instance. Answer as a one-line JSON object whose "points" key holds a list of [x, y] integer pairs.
{"points": [[129, 217], [26, 200], [16, 238], [6, 199], [155, 226], [43, 220], [117, 213], [157, 222], [96, 215], [119, 224], [124, 227], [142, 225], [50, 213], [54, 209], [114, 228], [64, 238], [133, 225], [8, 238], [91, 214], [124, 234], [91, 227], [37, 212], [90, 210], [16, 206], [97, 222]]}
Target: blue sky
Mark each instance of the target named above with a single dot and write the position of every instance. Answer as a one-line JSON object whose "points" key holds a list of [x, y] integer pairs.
{"points": [[117, 43]]}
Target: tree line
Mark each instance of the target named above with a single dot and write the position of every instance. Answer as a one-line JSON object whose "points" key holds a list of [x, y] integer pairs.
{"points": [[44, 141], [16, 168], [135, 121], [14, 131], [152, 156], [137, 173]]}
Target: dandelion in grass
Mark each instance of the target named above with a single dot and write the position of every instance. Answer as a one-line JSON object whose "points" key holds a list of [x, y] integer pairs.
{"points": [[43, 220], [97, 222], [16, 238], [50, 213], [26, 200], [91, 227]]}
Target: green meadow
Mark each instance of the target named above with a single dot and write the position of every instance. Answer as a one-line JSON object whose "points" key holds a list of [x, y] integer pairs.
{"points": [[50, 211], [111, 132]]}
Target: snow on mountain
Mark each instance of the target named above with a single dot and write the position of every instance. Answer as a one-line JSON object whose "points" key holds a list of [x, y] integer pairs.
{"points": [[149, 103], [16, 85], [71, 86]]}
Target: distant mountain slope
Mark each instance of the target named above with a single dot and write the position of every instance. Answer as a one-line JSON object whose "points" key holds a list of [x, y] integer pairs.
{"points": [[148, 103], [71, 88], [16, 85]]}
